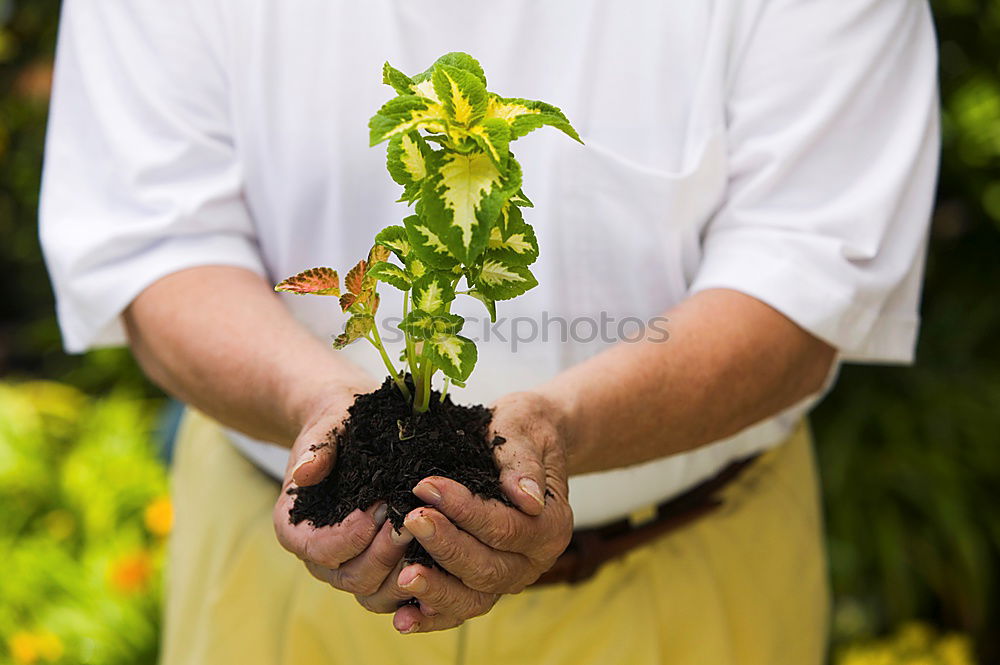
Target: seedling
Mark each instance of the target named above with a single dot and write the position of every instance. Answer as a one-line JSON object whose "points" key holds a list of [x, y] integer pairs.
{"points": [[449, 148]]}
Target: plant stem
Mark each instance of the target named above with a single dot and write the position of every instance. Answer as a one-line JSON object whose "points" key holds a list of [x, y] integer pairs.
{"points": [[428, 373], [411, 354], [376, 341], [422, 380], [444, 393]]}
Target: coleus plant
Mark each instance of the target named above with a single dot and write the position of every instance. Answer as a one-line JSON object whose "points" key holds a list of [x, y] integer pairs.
{"points": [[449, 147]]}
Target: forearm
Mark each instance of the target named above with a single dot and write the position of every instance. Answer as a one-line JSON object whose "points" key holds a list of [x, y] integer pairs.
{"points": [[219, 339], [730, 361]]}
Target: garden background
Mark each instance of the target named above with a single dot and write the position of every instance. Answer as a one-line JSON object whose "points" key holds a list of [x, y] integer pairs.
{"points": [[910, 457]]}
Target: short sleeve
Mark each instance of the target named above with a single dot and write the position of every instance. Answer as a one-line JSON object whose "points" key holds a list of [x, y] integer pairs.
{"points": [[833, 130], [141, 175]]}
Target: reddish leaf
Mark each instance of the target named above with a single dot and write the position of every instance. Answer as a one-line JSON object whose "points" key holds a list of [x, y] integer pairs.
{"points": [[347, 300], [354, 282], [315, 281]]}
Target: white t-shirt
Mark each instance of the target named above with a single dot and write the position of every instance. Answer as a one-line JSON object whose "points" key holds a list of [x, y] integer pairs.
{"points": [[785, 149]]}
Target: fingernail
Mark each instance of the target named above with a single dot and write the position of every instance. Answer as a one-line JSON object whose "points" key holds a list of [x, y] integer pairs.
{"points": [[414, 627], [416, 585], [380, 514], [421, 527], [307, 457], [401, 537], [427, 492], [530, 487]]}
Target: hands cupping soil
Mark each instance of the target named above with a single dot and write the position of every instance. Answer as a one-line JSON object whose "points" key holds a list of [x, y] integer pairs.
{"points": [[485, 547]]}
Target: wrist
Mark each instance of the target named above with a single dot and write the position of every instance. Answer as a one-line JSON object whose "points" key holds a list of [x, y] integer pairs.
{"points": [[561, 407], [307, 402]]}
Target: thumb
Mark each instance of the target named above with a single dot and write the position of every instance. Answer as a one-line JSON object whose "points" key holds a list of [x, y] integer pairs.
{"points": [[312, 457]]}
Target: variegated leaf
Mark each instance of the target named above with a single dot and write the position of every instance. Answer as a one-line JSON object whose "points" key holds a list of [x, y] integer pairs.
{"points": [[404, 114], [525, 115], [521, 200], [492, 136], [463, 96], [347, 301], [386, 272], [415, 267], [354, 282], [315, 281], [462, 198], [455, 59], [428, 246], [510, 217], [399, 81], [356, 327], [517, 244], [499, 279], [433, 292], [406, 159], [454, 354], [423, 325], [394, 237], [376, 254]]}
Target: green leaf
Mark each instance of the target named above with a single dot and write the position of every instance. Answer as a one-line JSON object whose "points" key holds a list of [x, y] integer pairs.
{"points": [[389, 273], [462, 94], [403, 114], [499, 279], [357, 327], [433, 291], [462, 198], [454, 354], [315, 281], [516, 243], [394, 237], [427, 245], [525, 115], [406, 159], [423, 325], [399, 81], [491, 305], [492, 136], [455, 59]]}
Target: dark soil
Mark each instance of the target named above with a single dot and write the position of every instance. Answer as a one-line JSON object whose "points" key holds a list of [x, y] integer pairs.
{"points": [[384, 450]]}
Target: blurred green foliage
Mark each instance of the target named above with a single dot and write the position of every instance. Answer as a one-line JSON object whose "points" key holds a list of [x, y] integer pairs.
{"points": [[81, 532], [909, 456]]}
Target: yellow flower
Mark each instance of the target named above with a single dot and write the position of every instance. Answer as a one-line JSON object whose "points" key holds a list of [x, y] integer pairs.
{"points": [[955, 649], [159, 516], [22, 648], [50, 647], [914, 636], [27, 648], [132, 572]]}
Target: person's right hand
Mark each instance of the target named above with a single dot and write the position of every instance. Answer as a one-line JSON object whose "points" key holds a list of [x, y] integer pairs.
{"points": [[359, 553]]}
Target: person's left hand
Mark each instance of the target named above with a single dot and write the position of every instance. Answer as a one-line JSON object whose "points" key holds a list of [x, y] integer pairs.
{"points": [[486, 547]]}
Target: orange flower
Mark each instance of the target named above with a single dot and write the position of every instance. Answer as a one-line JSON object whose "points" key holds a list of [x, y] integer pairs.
{"points": [[131, 573], [159, 516]]}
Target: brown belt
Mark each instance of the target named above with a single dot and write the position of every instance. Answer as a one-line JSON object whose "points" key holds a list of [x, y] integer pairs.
{"points": [[589, 549]]}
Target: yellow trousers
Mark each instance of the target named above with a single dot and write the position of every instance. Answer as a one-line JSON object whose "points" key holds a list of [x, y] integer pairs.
{"points": [[746, 584]]}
